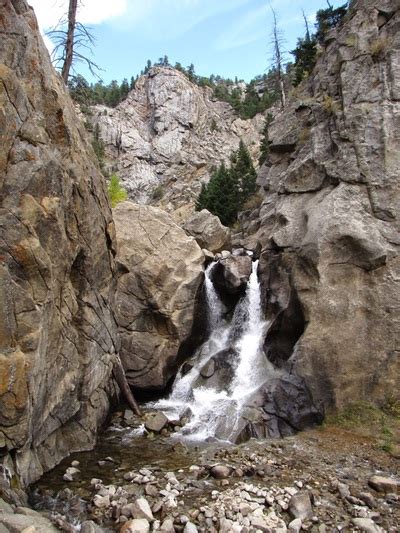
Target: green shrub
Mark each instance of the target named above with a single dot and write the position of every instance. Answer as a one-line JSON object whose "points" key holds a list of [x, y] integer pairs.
{"points": [[157, 193], [116, 192]]}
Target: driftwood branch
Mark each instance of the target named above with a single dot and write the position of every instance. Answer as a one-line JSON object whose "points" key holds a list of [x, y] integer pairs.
{"points": [[120, 378]]}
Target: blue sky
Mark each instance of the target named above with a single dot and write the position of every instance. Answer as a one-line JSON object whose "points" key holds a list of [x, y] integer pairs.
{"points": [[226, 37]]}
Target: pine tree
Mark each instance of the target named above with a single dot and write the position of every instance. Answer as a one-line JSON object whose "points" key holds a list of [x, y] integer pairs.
{"points": [[202, 200], [264, 146], [244, 173]]}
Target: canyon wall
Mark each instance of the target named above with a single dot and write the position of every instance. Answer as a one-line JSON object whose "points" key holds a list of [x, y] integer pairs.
{"points": [[57, 333]]}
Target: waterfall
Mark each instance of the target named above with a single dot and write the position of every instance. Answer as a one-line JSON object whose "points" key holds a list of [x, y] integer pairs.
{"points": [[216, 404]]}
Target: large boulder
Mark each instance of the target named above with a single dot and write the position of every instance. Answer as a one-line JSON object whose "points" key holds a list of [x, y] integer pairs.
{"points": [[57, 332], [329, 224], [231, 274], [161, 272], [208, 231]]}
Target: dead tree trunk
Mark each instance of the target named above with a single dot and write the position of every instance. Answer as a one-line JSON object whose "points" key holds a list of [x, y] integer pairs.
{"points": [[69, 43], [120, 378]]}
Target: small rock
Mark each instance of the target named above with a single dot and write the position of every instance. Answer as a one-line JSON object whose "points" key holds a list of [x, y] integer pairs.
{"points": [[220, 471], [75, 463], [155, 421], [168, 526], [384, 484], [190, 528], [295, 525], [138, 525], [367, 525], [141, 509], [300, 505], [101, 501]]}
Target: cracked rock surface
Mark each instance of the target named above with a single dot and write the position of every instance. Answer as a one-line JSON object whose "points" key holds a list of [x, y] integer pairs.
{"points": [[57, 334], [161, 270]]}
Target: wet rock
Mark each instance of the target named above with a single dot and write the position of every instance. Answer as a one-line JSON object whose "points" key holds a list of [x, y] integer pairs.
{"points": [[155, 421], [300, 506], [220, 471], [367, 525], [141, 509], [208, 369], [138, 525], [71, 473], [208, 231], [208, 256], [231, 275], [384, 484]]}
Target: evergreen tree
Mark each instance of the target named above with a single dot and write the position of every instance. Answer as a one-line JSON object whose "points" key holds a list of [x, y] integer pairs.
{"points": [[124, 89], [243, 173], [327, 19], [132, 84], [264, 146]]}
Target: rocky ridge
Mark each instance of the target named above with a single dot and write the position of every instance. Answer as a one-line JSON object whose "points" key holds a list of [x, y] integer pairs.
{"points": [[168, 134]]}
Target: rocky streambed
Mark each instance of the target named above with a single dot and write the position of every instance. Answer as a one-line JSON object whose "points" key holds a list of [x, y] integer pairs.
{"points": [[321, 480]]}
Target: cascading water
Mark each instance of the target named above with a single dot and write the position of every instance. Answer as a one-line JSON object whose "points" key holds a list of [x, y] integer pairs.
{"points": [[216, 406]]}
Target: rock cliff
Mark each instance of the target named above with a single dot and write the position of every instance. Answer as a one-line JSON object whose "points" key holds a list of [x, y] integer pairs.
{"points": [[168, 134], [57, 333], [329, 223]]}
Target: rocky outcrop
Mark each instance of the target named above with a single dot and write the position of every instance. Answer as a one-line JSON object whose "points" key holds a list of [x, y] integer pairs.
{"points": [[208, 231], [161, 270], [329, 223], [168, 134], [57, 334]]}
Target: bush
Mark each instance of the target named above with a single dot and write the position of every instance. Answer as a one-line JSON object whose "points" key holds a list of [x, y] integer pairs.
{"points": [[157, 193], [378, 47], [116, 192]]}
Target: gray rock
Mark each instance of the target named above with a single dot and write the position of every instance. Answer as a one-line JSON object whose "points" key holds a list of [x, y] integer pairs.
{"points": [[161, 271], [367, 525], [155, 421], [384, 484], [190, 528], [15, 523], [300, 506], [232, 274], [208, 231], [295, 525], [168, 526], [91, 527], [220, 471], [5, 507], [208, 369], [141, 509]]}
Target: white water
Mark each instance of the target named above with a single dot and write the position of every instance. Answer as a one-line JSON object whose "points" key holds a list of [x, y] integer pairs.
{"points": [[216, 410]]}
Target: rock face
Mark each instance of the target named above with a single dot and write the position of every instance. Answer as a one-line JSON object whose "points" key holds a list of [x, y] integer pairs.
{"points": [[167, 135], [329, 223], [57, 334], [208, 231], [161, 273]]}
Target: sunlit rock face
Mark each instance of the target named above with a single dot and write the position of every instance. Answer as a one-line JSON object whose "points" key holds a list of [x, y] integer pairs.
{"points": [[329, 222], [57, 333], [160, 275], [168, 135]]}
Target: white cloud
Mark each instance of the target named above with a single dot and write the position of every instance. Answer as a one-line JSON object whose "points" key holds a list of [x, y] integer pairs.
{"points": [[49, 12]]}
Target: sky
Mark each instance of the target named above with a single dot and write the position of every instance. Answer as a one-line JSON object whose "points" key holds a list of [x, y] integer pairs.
{"points": [[226, 37]]}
